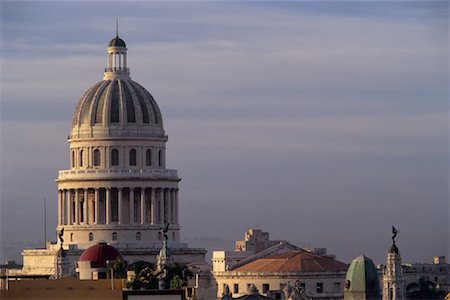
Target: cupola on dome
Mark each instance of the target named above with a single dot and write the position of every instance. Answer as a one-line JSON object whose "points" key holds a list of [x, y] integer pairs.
{"points": [[117, 42], [117, 106]]}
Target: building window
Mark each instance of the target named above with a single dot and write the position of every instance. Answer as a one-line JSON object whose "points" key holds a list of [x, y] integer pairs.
{"points": [[148, 157], [81, 158], [138, 236], [91, 236], [160, 158], [132, 157], [337, 287], [114, 236], [96, 157], [235, 288], [73, 159], [265, 288], [319, 287], [114, 157], [71, 237], [159, 235], [173, 235]]}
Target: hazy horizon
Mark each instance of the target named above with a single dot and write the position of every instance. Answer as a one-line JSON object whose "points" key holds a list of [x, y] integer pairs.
{"points": [[323, 123]]}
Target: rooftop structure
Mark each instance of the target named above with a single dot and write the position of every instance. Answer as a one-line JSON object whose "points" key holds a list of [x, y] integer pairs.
{"points": [[361, 280]]}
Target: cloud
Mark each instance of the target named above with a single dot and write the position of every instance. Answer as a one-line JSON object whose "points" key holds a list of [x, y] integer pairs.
{"points": [[302, 114]]}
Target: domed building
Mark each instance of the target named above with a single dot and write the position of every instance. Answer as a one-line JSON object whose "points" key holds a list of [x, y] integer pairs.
{"points": [[117, 188], [362, 280], [93, 262]]}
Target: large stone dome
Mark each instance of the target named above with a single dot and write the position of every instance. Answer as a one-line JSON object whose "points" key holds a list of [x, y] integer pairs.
{"points": [[119, 104]]}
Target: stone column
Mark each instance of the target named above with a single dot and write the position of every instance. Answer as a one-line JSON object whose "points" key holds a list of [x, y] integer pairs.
{"points": [[120, 205], [108, 206], [169, 206], [77, 208], [107, 157], [68, 207], [86, 206], [161, 207], [59, 207], [142, 205], [131, 205], [176, 206], [152, 206], [88, 156], [96, 207]]}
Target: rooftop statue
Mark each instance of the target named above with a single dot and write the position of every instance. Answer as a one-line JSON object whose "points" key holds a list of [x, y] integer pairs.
{"points": [[60, 236], [394, 234]]}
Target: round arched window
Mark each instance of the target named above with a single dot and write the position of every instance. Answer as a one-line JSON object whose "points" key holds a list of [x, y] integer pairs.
{"points": [[148, 157], [81, 158], [114, 157], [160, 158], [96, 157], [132, 157]]}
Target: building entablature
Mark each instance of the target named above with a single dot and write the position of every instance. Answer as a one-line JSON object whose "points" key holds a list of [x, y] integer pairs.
{"points": [[118, 174], [107, 140], [106, 133]]}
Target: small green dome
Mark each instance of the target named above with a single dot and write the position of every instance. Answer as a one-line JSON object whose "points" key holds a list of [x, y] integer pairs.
{"points": [[117, 42], [361, 280]]}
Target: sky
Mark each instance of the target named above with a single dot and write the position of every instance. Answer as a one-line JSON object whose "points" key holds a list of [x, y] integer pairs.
{"points": [[323, 123]]}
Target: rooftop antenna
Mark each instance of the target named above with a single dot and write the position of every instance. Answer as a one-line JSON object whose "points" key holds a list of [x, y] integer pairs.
{"points": [[117, 27], [45, 222]]}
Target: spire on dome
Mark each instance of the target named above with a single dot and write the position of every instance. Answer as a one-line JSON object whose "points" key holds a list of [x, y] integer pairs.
{"points": [[117, 27]]}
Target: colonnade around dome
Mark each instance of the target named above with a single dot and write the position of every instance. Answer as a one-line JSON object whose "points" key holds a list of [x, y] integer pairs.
{"points": [[118, 206]]}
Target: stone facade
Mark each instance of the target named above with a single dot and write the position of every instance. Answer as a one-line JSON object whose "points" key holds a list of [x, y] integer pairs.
{"points": [[274, 267]]}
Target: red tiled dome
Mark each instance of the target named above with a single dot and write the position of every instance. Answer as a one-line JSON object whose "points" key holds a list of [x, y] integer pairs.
{"points": [[99, 254]]}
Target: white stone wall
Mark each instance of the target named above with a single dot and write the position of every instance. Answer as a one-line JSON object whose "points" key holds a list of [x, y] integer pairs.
{"points": [[333, 282]]}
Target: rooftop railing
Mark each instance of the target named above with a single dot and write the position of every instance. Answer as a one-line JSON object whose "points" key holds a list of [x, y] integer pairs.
{"points": [[108, 173]]}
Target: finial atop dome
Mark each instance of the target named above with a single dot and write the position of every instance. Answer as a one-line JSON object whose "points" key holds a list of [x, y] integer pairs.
{"points": [[117, 41]]}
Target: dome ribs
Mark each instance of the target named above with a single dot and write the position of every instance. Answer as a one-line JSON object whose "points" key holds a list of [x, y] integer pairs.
{"points": [[88, 113], [143, 107], [99, 104], [155, 109], [80, 109], [114, 116], [131, 115]]}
